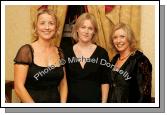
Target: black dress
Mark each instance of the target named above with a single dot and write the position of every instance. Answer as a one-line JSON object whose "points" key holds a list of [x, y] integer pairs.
{"points": [[132, 82], [84, 84], [41, 82]]}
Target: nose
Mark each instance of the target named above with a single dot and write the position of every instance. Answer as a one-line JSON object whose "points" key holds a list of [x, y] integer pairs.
{"points": [[86, 30], [117, 39], [46, 26]]}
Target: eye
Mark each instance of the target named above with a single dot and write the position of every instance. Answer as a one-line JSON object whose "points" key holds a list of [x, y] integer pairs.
{"points": [[82, 27], [90, 28], [114, 37], [122, 36], [41, 23], [51, 23]]}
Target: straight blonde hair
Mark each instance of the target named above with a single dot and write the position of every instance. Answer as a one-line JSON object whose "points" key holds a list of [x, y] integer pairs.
{"points": [[79, 22]]}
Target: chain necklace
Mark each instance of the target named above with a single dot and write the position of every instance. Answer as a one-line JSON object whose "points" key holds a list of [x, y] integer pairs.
{"points": [[121, 59]]}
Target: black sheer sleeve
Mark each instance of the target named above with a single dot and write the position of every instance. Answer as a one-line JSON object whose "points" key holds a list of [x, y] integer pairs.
{"points": [[144, 77], [24, 55], [104, 69]]}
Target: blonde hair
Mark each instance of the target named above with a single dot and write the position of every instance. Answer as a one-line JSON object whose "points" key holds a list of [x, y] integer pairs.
{"points": [[79, 22], [40, 12], [130, 35]]}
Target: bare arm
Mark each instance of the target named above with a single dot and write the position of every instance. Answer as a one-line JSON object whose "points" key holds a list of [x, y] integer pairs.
{"points": [[20, 73], [63, 89], [105, 90]]}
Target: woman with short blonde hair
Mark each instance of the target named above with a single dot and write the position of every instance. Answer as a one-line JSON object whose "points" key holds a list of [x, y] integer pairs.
{"points": [[130, 35], [131, 75]]}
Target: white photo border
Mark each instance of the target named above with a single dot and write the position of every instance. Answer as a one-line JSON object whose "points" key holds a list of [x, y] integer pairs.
{"points": [[155, 3]]}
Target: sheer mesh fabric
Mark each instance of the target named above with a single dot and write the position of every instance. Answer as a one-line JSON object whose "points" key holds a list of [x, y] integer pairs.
{"points": [[24, 55]]}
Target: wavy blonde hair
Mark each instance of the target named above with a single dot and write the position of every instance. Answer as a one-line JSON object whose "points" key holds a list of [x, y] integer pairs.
{"points": [[40, 12], [130, 35]]}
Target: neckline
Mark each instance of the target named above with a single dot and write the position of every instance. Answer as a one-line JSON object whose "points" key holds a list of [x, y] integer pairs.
{"points": [[89, 57], [127, 60], [32, 51], [47, 66], [126, 57]]}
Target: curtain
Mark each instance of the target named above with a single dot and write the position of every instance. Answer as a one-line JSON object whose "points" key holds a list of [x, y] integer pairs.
{"points": [[60, 11], [109, 15], [106, 15]]}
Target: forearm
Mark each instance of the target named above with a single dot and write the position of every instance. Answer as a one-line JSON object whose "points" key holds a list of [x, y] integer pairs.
{"points": [[20, 74], [105, 90], [23, 95], [63, 92]]}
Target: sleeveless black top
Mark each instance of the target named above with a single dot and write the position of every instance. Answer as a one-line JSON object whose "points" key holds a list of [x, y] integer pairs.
{"points": [[41, 82]]}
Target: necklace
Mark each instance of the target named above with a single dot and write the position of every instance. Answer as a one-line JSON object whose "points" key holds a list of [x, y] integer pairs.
{"points": [[121, 59]]}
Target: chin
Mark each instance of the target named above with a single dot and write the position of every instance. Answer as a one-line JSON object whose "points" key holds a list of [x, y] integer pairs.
{"points": [[86, 40], [47, 37], [120, 50]]}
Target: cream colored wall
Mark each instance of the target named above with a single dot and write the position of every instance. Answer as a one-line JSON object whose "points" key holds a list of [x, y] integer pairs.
{"points": [[147, 41], [17, 33]]}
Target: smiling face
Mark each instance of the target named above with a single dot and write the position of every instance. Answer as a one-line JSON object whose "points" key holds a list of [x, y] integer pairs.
{"points": [[120, 40], [85, 22], [46, 26], [86, 31]]}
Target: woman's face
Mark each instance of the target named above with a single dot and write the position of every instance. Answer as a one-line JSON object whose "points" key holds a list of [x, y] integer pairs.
{"points": [[120, 40], [86, 31], [46, 26]]}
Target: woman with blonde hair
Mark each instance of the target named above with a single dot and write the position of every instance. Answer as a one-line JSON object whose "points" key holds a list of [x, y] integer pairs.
{"points": [[130, 79], [87, 78], [39, 76]]}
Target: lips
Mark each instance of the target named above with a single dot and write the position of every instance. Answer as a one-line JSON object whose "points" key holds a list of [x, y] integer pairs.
{"points": [[46, 32], [120, 45], [85, 36]]}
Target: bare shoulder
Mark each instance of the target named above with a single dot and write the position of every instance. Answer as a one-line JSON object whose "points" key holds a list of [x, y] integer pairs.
{"points": [[34, 45]]}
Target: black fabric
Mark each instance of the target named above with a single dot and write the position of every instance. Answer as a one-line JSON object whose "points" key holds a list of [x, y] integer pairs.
{"points": [[24, 55], [135, 88], [41, 82], [84, 84]]}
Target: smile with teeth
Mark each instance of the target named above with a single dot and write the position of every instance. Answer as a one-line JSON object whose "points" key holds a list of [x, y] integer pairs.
{"points": [[120, 45], [47, 32], [85, 35]]}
